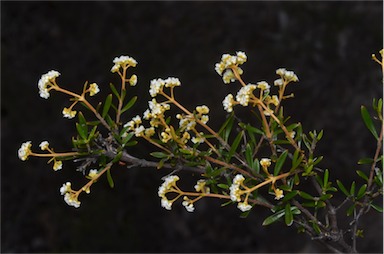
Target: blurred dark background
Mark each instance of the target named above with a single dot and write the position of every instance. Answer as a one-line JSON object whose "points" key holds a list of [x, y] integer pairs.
{"points": [[328, 45]]}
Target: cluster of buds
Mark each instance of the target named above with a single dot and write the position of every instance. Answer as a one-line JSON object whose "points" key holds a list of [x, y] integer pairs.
{"points": [[25, 151], [157, 85], [229, 62]]}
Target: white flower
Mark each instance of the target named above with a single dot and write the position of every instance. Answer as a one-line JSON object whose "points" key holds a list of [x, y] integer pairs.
{"points": [[123, 61], [265, 162], [68, 113], [239, 178], [44, 145], [45, 81], [57, 165], [264, 86], [244, 207], [172, 82], [200, 186], [71, 200], [166, 204], [202, 109], [279, 194], [139, 131], [25, 150], [278, 82], [156, 86], [169, 182], [93, 89], [137, 119], [244, 93], [275, 100], [65, 188], [198, 139], [188, 206], [204, 119], [93, 173], [228, 76], [228, 103], [241, 57], [281, 71], [133, 80], [228, 61], [235, 192], [147, 114]]}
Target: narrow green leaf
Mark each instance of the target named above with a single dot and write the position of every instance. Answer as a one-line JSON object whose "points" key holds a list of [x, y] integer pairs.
{"points": [[129, 104], [92, 133], [377, 208], [223, 186], [107, 105], [288, 215], [352, 189], [365, 161], [305, 195], [273, 218], [350, 210], [290, 195], [110, 179], [82, 120], [114, 90], [117, 157], [82, 131], [368, 121], [280, 162], [249, 155], [226, 128], [320, 135], [342, 188], [326, 177], [235, 144], [256, 167], [159, 155], [362, 175], [326, 196], [316, 227], [361, 191]]}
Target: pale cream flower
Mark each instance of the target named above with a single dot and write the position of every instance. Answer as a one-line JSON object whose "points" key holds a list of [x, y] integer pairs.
{"points": [[188, 205], [244, 94], [68, 113], [45, 81], [65, 188], [200, 186], [71, 200], [44, 145], [93, 173], [202, 109], [57, 165], [264, 86], [228, 103], [244, 206], [25, 150], [279, 194], [93, 89], [265, 162], [133, 80]]}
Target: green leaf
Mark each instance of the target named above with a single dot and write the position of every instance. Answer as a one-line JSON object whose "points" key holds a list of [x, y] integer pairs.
{"points": [[352, 189], [326, 177], [92, 133], [235, 144], [368, 121], [109, 178], [223, 186], [361, 191], [226, 128], [256, 167], [249, 155], [114, 90], [350, 210], [107, 105], [342, 188], [159, 155], [290, 195], [81, 129], [273, 218], [288, 215], [305, 195], [362, 175], [280, 162], [129, 104], [320, 135], [117, 157], [82, 120], [377, 208], [365, 161]]}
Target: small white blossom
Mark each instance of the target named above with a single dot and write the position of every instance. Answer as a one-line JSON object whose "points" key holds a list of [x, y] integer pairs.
{"points": [[57, 165], [65, 188], [166, 204], [265, 162], [139, 131], [200, 186], [278, 82], [45, 81], [264, 86], [25, 150], [133, 80], [228, 103], [188, 206], [93, 173], [198, 139], [244, 93], [71, 200], [44, 145], [244, 207], [93, 89], [68, 113], [172, 82], [279, 194], [156, 86], [202, 109]]}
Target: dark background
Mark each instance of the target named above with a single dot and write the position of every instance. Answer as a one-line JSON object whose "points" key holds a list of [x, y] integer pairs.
{"points": [[328, 45]]}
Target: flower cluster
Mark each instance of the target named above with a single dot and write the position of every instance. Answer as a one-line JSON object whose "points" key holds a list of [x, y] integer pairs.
{"points": [[45, 83], [227, 63], [169, 185], [70, 196], [285, 77], [25, 150], [236, 193], [123, 62], [157, 85], [93, 89], [69, 113]]}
